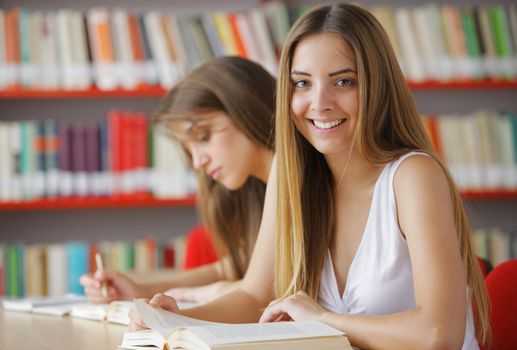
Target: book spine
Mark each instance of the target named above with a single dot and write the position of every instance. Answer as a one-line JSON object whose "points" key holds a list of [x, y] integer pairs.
{"points": [[65, 184], [77, 265], [51, 158]]}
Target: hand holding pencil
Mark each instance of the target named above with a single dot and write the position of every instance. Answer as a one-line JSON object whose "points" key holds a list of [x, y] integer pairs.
{"points": [[104, 286], [100, 268]]}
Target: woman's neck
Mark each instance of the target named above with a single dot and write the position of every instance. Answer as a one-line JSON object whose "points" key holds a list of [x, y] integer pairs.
{"points": [[352, 172], [263, 165]]}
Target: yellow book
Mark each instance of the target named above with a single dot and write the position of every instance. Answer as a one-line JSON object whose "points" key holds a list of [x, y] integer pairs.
{"points": [[225, 33]]}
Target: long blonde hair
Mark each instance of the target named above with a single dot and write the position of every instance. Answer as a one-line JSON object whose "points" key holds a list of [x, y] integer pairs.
{"points": [[245, 92], [389, 126]]}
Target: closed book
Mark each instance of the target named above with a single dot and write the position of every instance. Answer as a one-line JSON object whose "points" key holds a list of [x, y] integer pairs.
{"points": [[14, 257], [77, 253], [40, 164], [57, 270], [490, 62], [79, 176], [65, 187], [93, 166], [51, 158], [28, 158], [500, 28], [3, 70], [151, 73], [12, 47], [413, 68], [50, 69], [125, 63], [6, 162], [101, 43]]}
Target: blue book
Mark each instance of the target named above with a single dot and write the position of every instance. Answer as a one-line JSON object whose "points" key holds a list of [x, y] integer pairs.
{"points": [[77, 265]]}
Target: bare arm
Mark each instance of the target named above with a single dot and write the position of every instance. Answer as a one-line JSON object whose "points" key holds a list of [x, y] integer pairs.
{"points": [[205, 293], [438, 321], [138, 285], [256, 290]]}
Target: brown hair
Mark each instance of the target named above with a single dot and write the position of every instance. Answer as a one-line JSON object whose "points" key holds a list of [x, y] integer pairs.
{"points": [[389, 126], [244, 91]]}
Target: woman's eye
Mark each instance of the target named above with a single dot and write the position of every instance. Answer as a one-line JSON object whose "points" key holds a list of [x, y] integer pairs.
{"points": [[204, 137], [345, 82], [300, 84]]}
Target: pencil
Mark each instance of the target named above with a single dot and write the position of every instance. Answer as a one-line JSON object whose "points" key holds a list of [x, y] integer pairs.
{"points": [[100, 267]]}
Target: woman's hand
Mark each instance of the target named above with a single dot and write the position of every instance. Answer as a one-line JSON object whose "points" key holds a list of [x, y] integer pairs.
{"points": [[297, 307], [158, 300], [120, 287], [202, 294]]}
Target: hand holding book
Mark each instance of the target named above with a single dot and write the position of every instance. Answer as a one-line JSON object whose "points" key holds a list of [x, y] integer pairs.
{"points": [[159, 300], [297, 307]]}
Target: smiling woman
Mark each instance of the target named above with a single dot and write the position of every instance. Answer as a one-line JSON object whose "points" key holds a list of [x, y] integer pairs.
{"points": [[364, 221]]}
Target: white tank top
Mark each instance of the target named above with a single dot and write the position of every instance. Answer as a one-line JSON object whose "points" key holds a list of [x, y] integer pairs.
{"points": [[380, 280]]}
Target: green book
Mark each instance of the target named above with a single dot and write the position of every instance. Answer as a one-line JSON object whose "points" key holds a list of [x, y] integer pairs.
{"points": [[469, 27], [128, 256], [14, 270], [499, 24]]}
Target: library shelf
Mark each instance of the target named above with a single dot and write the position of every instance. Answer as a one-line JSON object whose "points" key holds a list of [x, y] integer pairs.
{"points": [[91, 93], [486, 84], [158, 91], [489, 194], [123, 201], [148, 201]]}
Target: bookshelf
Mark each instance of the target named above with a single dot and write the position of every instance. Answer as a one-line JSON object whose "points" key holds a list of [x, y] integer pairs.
{"points": [[156, 91], [133, 217], [130, 201]]}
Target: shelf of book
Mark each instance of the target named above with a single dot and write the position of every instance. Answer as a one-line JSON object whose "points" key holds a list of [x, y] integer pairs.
{"points": [[158, 91], [94, 92], [144, 201], [489, 194], [467, 84], [130, 201]]}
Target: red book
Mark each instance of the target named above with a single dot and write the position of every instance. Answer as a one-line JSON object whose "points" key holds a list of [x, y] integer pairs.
{"points": [[168, 256], [141, 149], [126, 151], [150, 244], [115, 149]]}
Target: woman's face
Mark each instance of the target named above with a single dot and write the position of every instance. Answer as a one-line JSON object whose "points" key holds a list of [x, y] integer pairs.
{"points": [[325, 98], [218, 148]]}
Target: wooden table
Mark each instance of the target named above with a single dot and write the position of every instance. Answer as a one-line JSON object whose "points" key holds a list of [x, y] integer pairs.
{"points": [[26, 331]]}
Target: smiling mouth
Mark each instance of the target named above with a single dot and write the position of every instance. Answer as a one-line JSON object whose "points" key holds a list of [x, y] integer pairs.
{"points": [[327, 125]]}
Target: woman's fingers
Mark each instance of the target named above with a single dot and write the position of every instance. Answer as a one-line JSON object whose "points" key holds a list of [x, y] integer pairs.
{"points": [[165, 302]]}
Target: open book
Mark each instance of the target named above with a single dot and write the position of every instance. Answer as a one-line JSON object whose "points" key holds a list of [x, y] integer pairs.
{"points": [[174, 331], [115, 312], [42, 304]]}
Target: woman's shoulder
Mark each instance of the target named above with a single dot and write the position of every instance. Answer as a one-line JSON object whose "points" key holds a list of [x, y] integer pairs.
{"points": [[418, 169]]}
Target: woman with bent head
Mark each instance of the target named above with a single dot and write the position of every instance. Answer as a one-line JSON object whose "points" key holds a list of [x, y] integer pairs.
{"points": [[222, 113], [370, 231]]}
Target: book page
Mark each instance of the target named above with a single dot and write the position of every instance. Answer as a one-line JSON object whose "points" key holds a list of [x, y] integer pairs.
{"points": [[164, 322], [217, 334]]}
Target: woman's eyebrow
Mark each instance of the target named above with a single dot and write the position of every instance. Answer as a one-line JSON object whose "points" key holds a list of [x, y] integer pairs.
{"points": [[341, 71]]}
